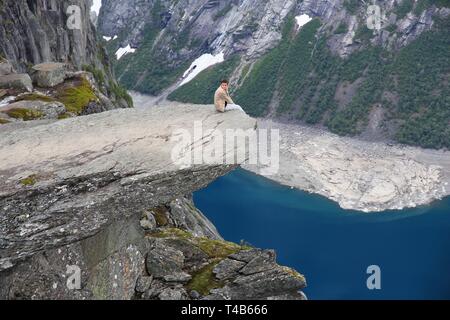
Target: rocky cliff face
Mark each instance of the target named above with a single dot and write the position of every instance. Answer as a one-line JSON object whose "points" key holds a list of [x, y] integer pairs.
{"points": [[104, 193], [176, 32], [251, 26], [32, 32], [50, 31]]}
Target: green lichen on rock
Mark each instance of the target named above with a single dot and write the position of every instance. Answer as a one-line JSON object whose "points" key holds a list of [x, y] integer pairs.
{"points": [[160, 216], [34, 97], [294, 273], [4, 121], [204, 280], [213, 248], [24, 114], [29, 181], [64, 116], [171, 233], [217, 248], [76, 98]]}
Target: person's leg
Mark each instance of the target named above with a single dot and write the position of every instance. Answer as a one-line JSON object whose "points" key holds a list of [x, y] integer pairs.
{"points": [[234, 107]]}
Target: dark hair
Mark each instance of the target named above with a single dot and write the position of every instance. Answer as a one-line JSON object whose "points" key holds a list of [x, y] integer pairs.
{"points": [[224, 81]]}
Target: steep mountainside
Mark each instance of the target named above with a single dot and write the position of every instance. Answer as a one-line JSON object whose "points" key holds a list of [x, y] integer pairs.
{"points": [[386, 82]]}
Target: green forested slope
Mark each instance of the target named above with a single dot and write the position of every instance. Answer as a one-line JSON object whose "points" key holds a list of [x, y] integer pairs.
{"points": [[304, 77]]}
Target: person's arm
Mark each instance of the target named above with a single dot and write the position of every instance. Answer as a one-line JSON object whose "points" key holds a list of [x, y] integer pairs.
{"points": [[228, 98]]}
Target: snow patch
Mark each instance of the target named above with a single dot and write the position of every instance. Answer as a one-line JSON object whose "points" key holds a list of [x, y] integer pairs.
{"points": [[302, 20], [6, 101], [109, 38], [123, 51], [200, 64], [96, 5]]}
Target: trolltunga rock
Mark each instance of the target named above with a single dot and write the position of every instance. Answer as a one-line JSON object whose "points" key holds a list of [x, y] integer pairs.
{"points": [[63, 181]]}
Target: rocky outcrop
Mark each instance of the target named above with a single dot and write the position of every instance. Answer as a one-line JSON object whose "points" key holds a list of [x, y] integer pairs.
{"points": [[40, 109], [102, 196], [64, 181], [251, 27], [21, 82], [58, 92]]}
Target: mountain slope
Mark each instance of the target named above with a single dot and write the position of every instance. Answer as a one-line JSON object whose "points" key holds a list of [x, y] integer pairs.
{"points": [[334, 72]]}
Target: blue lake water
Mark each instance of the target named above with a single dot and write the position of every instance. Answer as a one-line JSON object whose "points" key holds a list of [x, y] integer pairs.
{"points": [[333, 247]]}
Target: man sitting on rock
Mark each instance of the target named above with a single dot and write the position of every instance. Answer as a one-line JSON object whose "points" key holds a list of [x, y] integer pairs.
{"points": [[222, 99]]}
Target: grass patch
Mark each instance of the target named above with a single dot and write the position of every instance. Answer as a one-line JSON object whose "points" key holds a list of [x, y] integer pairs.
{"points": [[24, 114], [78, 97], [204, 280], [29, 181]]}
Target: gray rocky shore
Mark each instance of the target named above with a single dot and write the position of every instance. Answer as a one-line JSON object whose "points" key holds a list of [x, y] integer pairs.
{"points": [[359, 175]]}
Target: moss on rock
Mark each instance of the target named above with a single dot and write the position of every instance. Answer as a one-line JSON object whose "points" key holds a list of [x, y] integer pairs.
{"points": [[24, 114], [4, 121], [217, 248], [76, 98], [294, 273], [213, 248], [65, 115], [204, 280], [35, 97], [29, 181]]}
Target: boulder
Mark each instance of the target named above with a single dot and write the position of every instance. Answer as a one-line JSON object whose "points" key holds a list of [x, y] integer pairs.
{"points": [[5, 68], [164, 261], [20, 82], [228, 268], [143, 284], [47, 110], [48, 75]]}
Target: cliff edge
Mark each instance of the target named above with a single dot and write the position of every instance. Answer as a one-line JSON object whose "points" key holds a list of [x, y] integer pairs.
{"points": [[106, 194]]}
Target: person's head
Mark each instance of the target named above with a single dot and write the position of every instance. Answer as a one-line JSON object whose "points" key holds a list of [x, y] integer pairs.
{"points": [[224, 84]]}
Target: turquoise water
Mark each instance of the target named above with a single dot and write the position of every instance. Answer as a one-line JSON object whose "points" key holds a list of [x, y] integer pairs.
{"points": [[333, 247]]}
